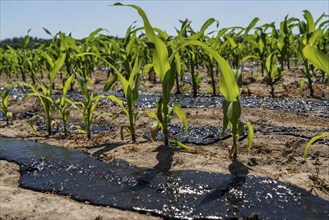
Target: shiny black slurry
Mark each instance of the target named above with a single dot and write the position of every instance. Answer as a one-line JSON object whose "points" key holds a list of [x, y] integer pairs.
{"points": [[197, 135], [293, 131], [172, 194], [148, 100], [208, 134], [96, 128]]}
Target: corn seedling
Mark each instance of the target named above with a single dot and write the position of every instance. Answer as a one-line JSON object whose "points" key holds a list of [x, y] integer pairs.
{"points": [[166, 73], [232, 114], [5, 102], [307, 49], [88, 105], [130, 89], [274, 73], [63, 104], [45, 96], [314, 139]]}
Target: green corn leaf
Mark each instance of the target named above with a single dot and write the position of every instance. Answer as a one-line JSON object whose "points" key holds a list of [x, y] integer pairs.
{"points": [[31, 122], [133, 73], [83, 86], [301, 87], [268, 63], [250, 136], [315, 138], [316, 34], [47, 31], [227, 115], [137, 115], [238, 78], [124, 83], [130, 101], [231, 41], [26, 41], [48, 58], [167, 85], [250, 26], [162, 33], [310, 22], [160, 55], [154, 130], [181, 115], [320, 18], [240, 128], [152, 115], [317, 57], [159, 108], [274, 72], [136, 88], [209, 22], [178, 64], [92, 109], [147, 68], [5, 99], [197, 79], [58, 65], [90, 80], [236, 112], [209, 89], [93, 34], [228, 85], [110, 82], [65, 89], [180, 144]]}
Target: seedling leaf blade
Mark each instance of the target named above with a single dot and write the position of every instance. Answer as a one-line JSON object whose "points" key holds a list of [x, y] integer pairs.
{"points": [[250, 136], [315, 138]]}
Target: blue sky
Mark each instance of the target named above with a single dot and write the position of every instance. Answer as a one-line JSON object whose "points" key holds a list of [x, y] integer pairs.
{"points": [[81, 17]]}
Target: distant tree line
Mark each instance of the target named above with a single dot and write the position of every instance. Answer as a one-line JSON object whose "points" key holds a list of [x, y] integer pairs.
{"points": [[17, 42]]}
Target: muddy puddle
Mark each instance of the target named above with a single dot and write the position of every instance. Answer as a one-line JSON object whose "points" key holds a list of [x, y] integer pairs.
{"points": [[184, 194]]}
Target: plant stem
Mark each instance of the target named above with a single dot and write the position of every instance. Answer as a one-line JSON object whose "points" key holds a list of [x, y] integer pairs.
{"points": [[211, 70], [234, 147], [195, 91]]}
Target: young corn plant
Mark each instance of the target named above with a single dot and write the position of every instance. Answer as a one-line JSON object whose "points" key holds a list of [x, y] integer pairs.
{"points": [[63, 104], [285, 39], [274, 72], [5, 103], [45, 95], [130, 89], [310, 36], [232, 114], [319, 60], [166, 73], [230, 88], [88, 105]]}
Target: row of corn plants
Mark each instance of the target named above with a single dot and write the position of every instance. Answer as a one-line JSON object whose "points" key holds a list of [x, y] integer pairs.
{"points": [[276, 50], [148, 49]]}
